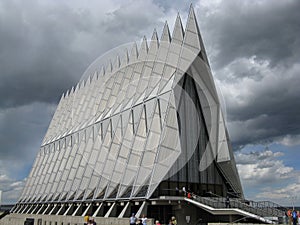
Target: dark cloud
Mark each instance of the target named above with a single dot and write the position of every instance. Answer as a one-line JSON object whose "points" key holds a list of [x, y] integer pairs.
{"points": [[37, 60], [254, 51], [138, 24], [268, 109], [21, 133], [168, 5], [266, 29], [45, 47]]}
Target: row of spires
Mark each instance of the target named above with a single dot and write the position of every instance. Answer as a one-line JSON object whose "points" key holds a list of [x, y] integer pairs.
{"points": [[178, 36]]}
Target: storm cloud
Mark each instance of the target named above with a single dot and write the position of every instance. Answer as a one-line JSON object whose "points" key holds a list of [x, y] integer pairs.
{"points": [[45, 47], [254, 51]]}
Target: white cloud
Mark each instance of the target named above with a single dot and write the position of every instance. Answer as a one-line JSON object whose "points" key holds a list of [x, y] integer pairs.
{"points": [[257, 168], [265, 177], [290, 140], [287, 195], [11, 188]]}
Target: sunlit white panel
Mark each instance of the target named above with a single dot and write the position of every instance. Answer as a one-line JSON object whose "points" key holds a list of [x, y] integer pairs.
{"points": [[159, 171], [141, 178]]}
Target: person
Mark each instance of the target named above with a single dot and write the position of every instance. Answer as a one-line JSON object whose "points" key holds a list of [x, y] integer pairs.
{"points": [[170, 222], [86, 219], [189, 195], [144, 220], [173, 220], [227, 202], [184, 191], [132, 219], [289, 215], [157, 222], [93, 221], [177, 191], [295, 217], [140, 222]]}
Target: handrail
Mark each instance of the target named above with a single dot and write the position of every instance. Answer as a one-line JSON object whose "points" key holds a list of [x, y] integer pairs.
{"points": [[258, 208]]}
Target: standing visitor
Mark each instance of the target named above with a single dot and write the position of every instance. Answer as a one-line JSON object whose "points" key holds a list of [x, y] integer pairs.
{"points": [[144, 220], [132, 219], [93, 221], [189, 195], [295, 217], [184, 191], [86, 219], [173, 220], [227, 202], [289, 215], [157, 222]]}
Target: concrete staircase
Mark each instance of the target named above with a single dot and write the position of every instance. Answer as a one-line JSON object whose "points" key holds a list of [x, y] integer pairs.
{"points": [[261, 211]]}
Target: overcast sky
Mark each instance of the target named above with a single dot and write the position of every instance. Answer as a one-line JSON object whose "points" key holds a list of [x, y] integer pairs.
{"points": [[254, 52]]}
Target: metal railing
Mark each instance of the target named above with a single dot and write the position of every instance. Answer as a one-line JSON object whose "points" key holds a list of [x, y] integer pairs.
{"points": [[263, 209]]}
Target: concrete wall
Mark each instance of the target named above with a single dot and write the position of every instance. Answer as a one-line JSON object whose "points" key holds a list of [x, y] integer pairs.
{"points": [[18, 219]]}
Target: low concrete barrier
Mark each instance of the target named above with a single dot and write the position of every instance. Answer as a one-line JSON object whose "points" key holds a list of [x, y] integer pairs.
{"points": [[19, 219]]}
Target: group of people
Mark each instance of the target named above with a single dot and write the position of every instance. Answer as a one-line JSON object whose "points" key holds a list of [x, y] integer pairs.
{"points": [[89, 220], [141, 221], [293, 217], [172, 221]]}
